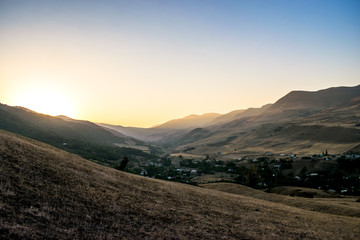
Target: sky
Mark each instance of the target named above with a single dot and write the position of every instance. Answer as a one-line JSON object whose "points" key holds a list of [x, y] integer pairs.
{"points": [[144, 62]]}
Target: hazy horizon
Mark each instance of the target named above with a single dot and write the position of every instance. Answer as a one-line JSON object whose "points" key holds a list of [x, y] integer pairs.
{"points": [[142, 63]]}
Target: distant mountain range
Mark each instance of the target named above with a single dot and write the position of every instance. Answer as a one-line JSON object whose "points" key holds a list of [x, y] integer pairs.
{"points": [[301, 121]]}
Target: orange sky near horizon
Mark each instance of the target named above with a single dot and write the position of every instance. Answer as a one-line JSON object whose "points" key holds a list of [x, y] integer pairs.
{"points": [[142, 63]]}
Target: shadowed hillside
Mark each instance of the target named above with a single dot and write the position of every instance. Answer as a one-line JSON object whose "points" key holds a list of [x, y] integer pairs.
{"points": [[81, 137], [56, 130], [46, 193]]}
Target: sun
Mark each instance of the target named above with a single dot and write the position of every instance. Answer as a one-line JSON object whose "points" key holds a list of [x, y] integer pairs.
{"points": [[47, 101]]}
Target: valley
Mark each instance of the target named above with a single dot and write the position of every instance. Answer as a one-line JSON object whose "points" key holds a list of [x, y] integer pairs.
{"points": [[299, 128]]}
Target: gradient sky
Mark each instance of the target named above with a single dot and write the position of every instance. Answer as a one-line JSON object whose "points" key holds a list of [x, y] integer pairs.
{"points": [[141, 63]]}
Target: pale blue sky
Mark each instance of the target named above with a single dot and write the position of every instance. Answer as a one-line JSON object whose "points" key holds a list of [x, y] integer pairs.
{"points": [[141, 63]]}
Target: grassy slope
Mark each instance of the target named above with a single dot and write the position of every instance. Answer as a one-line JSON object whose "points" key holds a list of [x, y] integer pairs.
{"points": [[324, 204], [48, 193]]}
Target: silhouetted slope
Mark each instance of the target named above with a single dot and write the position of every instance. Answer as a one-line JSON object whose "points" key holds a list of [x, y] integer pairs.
{"points": [[46, 193], [57, 129], [82, 137]]}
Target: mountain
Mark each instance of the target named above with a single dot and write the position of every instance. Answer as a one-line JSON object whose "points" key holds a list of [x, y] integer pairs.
{"points": [[318, 100], [188, 122], [302, 122], [175, 130], [46, 193], [238, 114], [165, 130], [143, 134], [81, 137]]}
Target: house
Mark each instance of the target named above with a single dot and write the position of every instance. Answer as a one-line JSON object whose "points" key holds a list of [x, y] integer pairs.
{"points": [[331, 191], [193, 172]]}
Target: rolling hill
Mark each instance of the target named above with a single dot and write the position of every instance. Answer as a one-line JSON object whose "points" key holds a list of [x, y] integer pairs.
{"points": [[82, 137], [46, 193]]}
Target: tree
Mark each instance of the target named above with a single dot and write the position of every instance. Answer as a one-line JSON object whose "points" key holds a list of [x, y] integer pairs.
{"points": [[123, 164]]}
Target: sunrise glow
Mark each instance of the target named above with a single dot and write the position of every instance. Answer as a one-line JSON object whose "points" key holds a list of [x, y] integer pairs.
{"points": [[41, 95], [46, 102]]}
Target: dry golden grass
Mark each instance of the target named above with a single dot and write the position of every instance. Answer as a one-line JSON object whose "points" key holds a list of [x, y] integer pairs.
{"points": [[297, 192], [322, 203], [50, 194]]}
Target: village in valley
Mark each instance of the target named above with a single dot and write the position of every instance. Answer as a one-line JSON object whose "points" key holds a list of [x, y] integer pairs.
{"points": [[334, 173]]}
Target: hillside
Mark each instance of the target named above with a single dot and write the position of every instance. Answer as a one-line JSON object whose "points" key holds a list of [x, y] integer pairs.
{"points": [[81, 137], [143, 134], [318, 100], [322, 201], [47, 193], [189, 122], [239, 114], [38, 126], [301, 122], [163, 132]]}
